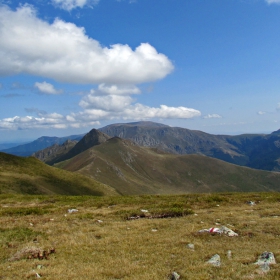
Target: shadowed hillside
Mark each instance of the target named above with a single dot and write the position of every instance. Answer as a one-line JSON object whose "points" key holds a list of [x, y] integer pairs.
{"points": [[31, 176], [253, 150], [52, 153], [177, 140], [132, 169], [93, 138]]}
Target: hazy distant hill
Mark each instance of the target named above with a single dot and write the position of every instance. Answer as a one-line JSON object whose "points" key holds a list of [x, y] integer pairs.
{"points": [[9, 145], [39, 144], [132, 169], [31, 176], [253, 150]]}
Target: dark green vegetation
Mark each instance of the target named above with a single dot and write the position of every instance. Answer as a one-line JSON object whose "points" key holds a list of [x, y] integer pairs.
{"points": [[132, 169], [31, 176]]}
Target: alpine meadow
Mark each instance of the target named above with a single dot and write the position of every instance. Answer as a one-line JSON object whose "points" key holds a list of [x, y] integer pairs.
{"points": [[139, 140]]}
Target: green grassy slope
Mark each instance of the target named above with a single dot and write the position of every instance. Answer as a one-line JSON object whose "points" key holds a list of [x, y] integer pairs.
{"points": [[31, 176], [131, 169]]}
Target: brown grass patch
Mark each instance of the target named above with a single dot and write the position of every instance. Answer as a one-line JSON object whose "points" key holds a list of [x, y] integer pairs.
{"points": [[98, 243]]}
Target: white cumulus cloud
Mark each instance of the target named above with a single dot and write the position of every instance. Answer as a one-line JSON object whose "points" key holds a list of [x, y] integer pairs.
{"points": [[46, 88], [73, 4], [107, 103], [62, 51], [42, 121], [104, 107]]}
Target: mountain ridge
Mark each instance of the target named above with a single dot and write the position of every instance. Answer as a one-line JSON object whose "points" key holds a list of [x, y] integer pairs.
{"points": [[133, 169], [261, 151]]}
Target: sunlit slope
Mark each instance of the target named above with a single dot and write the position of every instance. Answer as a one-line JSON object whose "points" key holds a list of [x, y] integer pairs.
{"points": [[132, 169], [31, 176]]}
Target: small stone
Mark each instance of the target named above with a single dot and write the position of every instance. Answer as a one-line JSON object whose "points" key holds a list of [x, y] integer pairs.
{"points": [[265, 267], [229, 255], [266, 258], [72, 211], [174, 276], [190, 246], [215, 260]]}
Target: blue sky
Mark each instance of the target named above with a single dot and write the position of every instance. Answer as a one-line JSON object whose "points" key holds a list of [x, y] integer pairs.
{"points": [[68, 66]]}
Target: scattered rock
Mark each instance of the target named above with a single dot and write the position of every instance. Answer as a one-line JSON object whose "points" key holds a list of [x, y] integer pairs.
{"points": [[215, 260], [190, 246], [174, 276], [266, 258], [229, 254], [70, 211], [32, 253], [265, 267], [221, 230], [251, 203]]}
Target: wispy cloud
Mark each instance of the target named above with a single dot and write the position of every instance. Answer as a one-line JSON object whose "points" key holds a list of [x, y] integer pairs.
{"points": [[116, 89], [272, 1], [212, 116], [69, 5], [47, 88]]}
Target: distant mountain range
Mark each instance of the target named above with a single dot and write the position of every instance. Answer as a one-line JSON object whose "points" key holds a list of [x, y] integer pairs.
{"points": [[39, 144], [260, 151], [160, 165]]}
